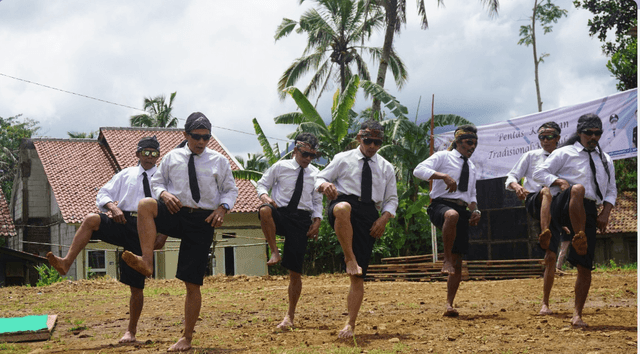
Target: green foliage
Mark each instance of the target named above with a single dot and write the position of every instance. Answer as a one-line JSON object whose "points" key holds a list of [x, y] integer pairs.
{"points": [[623, 65], [544, 14], [76, 325], [620, 15], [626, 174], [83, 135], [12, 131], [256, 164], [336, 31], [47, 275], [158, 113], [612, 265]]}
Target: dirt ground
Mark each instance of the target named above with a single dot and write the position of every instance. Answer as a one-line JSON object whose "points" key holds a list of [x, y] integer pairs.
{"points": [[239, 315]]}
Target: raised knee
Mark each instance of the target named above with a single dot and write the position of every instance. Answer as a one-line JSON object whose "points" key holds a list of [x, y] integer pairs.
{"points": [[577, 190], [92, 220], [146, 204], [342, 210], [451, 215], [265, 212], [545, 192]]}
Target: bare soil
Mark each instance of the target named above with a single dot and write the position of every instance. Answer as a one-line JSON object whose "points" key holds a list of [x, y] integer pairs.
{"points": [[239, 315]]}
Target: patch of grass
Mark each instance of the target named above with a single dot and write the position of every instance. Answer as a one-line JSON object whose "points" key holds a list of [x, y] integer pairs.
{"points": [[77, 325], [14, 348], [612, 265]]}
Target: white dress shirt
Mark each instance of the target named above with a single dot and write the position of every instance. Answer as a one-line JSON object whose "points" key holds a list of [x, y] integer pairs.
{"points": [[571, 163], [345, 172], [126, 188], [449, 162], [524, 168], [215, 180], [281, 179]]}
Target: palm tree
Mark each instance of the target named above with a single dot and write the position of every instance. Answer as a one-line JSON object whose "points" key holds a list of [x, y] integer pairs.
{"points": [[395, 16], [253, 170], [336, 31], [159, 113], [335, 137], [82, 135], [254, 162]]}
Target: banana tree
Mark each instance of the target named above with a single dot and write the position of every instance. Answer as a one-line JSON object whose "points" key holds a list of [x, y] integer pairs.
{"points": [[272, 155]]}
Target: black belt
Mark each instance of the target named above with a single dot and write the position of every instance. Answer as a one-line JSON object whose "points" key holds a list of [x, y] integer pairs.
{"points": [[196, 210], [454, 201], [133, 214]]}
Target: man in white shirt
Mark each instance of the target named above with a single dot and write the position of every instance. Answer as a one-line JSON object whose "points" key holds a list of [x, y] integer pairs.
{"points": [[360, 185], [294, 210], [195, 190], [120, 197], [538, 200], [580, 175], [453, 190]]}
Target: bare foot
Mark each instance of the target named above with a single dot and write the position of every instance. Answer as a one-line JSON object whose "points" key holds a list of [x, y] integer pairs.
{"points": [[347, 332], [577, 321], [137, 264], [56, 262], [450, 312], [128, 337], [353, 268], [287, 323], [447, 268], [544, 238], [545, 310], [579, 243], [275, 259], [181, 345]]}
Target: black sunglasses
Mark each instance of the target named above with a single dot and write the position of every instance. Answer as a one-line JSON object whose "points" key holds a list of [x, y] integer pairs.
{"points": [[547, 136], [592, 132], [205, 137], [307, 154], [376, 142], [152, 153], [471, 142]]}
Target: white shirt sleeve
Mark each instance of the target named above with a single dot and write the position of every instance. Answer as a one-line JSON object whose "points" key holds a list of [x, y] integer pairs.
{"points": [[427, 168], [518, 171], [227, 184], [108, 192]]}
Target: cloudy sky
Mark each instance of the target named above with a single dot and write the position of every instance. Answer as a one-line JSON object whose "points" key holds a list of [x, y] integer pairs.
{"points": [[221, 58]]}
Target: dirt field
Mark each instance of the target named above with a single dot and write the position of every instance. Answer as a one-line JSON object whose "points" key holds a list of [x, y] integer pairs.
{"points": [[239, 315]]}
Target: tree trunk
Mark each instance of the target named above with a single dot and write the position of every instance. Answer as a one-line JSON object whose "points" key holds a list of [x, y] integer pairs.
{"points": [[535, 54], [392, 17]]}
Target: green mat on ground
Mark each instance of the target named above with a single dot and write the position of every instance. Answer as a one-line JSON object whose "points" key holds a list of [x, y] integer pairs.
{"points": [[28, 328]]}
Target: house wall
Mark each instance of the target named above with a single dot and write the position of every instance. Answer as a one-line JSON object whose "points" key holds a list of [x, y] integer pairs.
{"points": [[249, 246]]}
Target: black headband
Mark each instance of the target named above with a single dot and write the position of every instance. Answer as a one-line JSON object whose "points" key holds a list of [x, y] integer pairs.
{"points": [[148, 142], [195, 121]]}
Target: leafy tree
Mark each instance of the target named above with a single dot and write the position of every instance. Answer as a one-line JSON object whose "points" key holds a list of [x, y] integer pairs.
{"points": [[12, 131], [623, 65], [83, 135], [626, 174], [545, 13], [159, 113], [394, 18], [336, 31], [253, 171], [621, 15]]}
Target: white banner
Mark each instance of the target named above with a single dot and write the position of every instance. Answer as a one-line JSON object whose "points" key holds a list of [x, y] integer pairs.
{"points": [[500, 145]]}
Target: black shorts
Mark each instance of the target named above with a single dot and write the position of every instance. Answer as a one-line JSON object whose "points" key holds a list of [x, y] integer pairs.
{"points": [[293, 226], [560, 217], [196, 234], [532, 204], [363, 215], [436, 211], [126, 236]]}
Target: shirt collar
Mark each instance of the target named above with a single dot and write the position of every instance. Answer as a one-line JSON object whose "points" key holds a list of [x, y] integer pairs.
{"points": [[361, 156], [578, 145], [295, 163], [150, 171]]}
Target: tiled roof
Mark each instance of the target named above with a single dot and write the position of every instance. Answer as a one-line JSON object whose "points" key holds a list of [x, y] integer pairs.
{"points": [[6, 222], [624, 216], [123, 141], [76, 169]]}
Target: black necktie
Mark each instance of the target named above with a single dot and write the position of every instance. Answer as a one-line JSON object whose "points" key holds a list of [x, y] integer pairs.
{"points": [[593, 171], [297, 192], [464, 176], [193, 180], [367, 182], [145, 185]]}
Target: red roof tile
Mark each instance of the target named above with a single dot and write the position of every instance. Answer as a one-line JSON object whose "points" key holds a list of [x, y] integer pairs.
{"points": [[6, 222], [624, 216], [76, 169]]}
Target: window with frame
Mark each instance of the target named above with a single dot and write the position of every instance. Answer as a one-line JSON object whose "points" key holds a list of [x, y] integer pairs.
{"points": [[96, 263]]}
